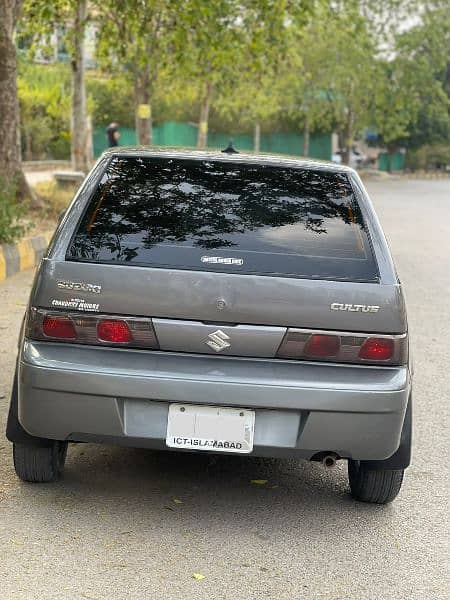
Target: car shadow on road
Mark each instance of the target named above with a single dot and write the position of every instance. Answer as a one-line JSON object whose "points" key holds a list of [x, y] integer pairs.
{"points": [[131, 487]]}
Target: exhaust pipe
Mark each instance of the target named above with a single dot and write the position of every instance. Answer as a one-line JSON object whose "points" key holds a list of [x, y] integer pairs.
{"points": [[329, 461]]}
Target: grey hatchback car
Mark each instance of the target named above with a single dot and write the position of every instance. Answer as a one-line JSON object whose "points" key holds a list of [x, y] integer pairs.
{"points": [[205, 301]]}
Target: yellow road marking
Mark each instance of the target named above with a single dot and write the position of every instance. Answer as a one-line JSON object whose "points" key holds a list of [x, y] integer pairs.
{"points": [[2, 265], [27, 255]]}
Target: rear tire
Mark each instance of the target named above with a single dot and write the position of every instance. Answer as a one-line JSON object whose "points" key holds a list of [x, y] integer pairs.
{"points": [[39, 464], [378, 486]]}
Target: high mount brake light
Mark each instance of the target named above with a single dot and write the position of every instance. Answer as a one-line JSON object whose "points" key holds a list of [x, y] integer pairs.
{"points": [[342, 347], [100, 330]]}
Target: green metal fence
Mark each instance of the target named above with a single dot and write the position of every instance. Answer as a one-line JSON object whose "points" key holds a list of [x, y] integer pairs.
{"points": [[185, 134], [391, 162]]}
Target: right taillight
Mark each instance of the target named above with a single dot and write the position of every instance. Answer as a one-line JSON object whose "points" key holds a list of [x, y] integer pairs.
{"points": [[322, 346], [375, 348], [343, 347]]}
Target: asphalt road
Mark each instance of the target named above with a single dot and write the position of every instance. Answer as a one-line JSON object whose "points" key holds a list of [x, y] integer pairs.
{"points": [[111, 529]]}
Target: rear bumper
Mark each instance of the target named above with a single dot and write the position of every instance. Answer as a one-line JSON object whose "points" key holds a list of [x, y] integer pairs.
{"points": [[122, 396]]}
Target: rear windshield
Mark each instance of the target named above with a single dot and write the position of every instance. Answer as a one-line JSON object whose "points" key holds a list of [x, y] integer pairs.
{"points": [[224, 216]]}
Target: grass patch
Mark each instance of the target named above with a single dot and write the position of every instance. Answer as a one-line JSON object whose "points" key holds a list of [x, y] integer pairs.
{"points": [[56, 200], [11, 214]]}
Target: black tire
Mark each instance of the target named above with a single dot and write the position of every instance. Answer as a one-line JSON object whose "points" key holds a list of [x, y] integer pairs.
{"points": [[39, 464], [378, 486]]}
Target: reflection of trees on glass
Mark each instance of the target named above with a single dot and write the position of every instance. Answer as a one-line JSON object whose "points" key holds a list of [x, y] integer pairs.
{"points": [[143, 202]]}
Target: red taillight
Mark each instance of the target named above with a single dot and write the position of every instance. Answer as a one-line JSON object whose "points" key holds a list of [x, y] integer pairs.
{"points": [[322, 346], [61, 328], [344, 347], [117, 332], [81, 328], [377, 349]]}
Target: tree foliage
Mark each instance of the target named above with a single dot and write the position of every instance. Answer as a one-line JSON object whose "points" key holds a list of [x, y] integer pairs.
{"points": [[243, 65], [11, 212], [44, 97], [422, 77], [10, 156], [40, 21], [136, 37], [209, 46]]}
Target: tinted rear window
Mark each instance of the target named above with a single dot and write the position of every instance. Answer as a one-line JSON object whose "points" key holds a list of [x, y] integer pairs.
{"points": [[225, 216]]}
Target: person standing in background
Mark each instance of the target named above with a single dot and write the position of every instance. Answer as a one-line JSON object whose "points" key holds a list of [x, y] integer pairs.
{"points": [[113, 134]]}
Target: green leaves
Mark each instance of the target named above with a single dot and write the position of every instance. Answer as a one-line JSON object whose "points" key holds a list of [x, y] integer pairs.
{"points": [[324, 66], [45, 99], [412, 106], [11, 213]]}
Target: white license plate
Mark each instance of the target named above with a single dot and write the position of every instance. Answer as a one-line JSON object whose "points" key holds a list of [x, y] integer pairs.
{"points": [[212, 428]]}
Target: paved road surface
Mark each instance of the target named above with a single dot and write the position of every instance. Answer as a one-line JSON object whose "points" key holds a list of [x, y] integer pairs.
{"points": [[111, 529]]}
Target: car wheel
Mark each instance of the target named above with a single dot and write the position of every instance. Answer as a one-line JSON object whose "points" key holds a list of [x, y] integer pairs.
{"points": [[378, 486], [39, 464]]}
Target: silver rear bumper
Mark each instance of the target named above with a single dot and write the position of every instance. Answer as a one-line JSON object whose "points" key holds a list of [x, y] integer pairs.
{"points": [[122, 396]]}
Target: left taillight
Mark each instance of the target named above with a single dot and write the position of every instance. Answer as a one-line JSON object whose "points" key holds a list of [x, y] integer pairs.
{"points": [[114, 330], [100, 330], [58, 327]]}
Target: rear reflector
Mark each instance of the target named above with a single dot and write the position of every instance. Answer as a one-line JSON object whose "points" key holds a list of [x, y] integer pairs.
{"points": [[117, 332], [377, 349], [59, 327], [322, 346], [343, 347]]}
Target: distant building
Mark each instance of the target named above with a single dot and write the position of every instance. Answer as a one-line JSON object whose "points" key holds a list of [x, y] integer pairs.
{"points": [[54, 49]]}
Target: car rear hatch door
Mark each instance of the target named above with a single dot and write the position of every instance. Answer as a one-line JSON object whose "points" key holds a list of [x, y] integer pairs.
{"points": [[208, 246]]}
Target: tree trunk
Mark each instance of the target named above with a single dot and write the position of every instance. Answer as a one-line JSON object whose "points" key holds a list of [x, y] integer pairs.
{"points": [[348, 138], [306, 139], [142, 98], [27, 145], [79, 118], [204, 117], [257, 137], [10, 155], [89, 149]]}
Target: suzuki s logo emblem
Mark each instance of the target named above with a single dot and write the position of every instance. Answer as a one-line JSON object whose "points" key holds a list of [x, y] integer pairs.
{"points": [[218, 340]]}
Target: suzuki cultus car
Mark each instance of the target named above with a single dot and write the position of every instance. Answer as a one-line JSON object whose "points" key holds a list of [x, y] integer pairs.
{"points": [[214, 302]]}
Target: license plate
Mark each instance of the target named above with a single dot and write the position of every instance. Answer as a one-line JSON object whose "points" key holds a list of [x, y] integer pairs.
{"points": [[213, 428]]}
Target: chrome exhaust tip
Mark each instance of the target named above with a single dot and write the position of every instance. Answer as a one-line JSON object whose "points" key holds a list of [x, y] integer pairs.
{"points": [[329, 461]]}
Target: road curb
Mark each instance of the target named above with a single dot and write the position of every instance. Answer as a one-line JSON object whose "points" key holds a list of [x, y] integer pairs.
{"points": [[22, 255], [426, 175]]}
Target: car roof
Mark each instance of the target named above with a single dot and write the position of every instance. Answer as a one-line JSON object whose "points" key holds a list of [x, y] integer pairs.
{"points": [[279, 160]]}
